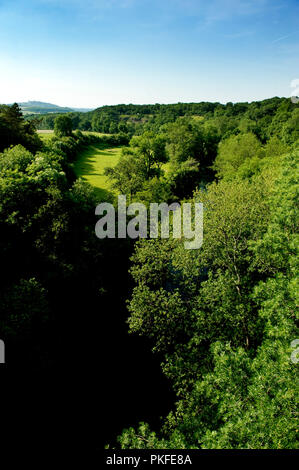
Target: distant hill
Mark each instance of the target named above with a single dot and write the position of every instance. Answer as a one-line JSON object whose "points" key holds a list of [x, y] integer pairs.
{"points": [[38, 107]]}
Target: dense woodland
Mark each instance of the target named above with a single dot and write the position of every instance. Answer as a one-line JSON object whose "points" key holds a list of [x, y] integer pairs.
{"points": [[263, 118], [202, 337]]}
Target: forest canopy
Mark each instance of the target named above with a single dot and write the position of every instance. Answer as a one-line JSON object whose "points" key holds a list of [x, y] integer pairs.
{"points": [[220, 319]]}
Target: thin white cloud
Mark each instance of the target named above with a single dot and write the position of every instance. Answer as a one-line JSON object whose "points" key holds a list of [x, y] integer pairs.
{"points": [[285, 37]]}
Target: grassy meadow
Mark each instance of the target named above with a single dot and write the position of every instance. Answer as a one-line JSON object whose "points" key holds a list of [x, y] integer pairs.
{"points": [[92, 162], [45, 134]]}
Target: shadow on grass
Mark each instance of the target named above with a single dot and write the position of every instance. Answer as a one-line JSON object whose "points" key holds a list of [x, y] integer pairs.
{"points": [[85, 165], [103, 195], [90, 167]]}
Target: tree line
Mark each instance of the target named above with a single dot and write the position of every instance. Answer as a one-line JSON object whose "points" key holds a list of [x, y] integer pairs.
{"points": [[263, 118]]}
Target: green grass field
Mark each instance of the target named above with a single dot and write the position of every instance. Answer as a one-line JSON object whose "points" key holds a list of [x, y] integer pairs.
{"points": [[91, 163], [46, 134], [99, 134]]}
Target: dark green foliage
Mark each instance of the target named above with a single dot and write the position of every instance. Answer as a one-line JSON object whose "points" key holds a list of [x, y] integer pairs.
{"points": [[14, 130], [63, 126], [139, 163], [224, 317]]}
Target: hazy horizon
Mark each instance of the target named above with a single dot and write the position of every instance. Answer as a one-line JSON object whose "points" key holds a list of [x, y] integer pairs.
{"points": [[131, 102]]}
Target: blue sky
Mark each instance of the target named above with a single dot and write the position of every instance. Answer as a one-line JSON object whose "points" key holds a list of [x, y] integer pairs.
{"points": [[88, 53]]}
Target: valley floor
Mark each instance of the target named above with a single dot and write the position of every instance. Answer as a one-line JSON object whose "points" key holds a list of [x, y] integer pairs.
{"points": [[92, 162]]}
